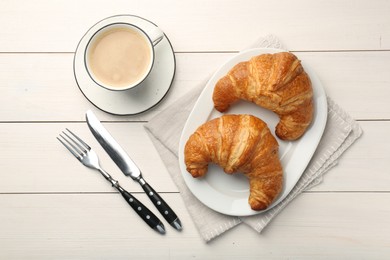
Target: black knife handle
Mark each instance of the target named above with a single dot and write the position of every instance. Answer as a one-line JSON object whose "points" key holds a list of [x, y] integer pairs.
{"points": [[160, 204], [143, 211]]}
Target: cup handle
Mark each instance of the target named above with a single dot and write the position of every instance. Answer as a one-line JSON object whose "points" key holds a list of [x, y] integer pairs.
{"points": [[156, 35]]}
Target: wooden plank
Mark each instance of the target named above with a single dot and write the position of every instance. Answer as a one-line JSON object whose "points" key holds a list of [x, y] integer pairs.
{"points": [[203, 25], [364, 167], [88, 226], [41, 87], [358, 82], [34, 161]]}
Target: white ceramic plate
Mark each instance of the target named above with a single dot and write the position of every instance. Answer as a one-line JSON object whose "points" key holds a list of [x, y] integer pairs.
{"points": [[228, 194], [133, 101]]}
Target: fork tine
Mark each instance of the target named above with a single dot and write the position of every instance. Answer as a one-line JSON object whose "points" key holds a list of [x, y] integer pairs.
{"points": [[68, 147], [79, 139], [75, 145]]}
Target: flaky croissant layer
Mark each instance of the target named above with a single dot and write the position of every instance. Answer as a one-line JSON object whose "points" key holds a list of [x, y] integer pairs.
{"points": [[276, 82], [238, 143]]}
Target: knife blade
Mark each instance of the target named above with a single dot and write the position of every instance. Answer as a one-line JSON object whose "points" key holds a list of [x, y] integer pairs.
{"points": [[129, 168]]}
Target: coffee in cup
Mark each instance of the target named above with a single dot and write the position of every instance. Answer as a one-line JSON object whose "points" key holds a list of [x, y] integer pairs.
{"points": [[120, 56]]}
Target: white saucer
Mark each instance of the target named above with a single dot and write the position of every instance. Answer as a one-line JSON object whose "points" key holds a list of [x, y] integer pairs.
{"points": [[136, 100]]}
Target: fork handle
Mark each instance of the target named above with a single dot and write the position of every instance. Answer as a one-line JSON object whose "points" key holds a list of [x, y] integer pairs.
{"points": [[148, 216], [143, 211]]}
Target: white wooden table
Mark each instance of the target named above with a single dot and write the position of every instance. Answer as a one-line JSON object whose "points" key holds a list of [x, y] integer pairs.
{"points": [[51, 207]]}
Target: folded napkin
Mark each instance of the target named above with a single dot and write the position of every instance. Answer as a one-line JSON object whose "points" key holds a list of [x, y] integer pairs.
{"points": [[341, 131]]}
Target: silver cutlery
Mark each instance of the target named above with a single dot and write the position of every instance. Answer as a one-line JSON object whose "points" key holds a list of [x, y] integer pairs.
{"points": [[129, 168], [83, 152]]}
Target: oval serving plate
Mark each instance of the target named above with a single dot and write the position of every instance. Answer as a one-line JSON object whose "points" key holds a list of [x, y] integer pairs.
{"points": [[228, 194]]}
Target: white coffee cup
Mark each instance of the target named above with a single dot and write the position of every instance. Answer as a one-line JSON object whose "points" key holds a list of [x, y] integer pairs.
{"points": [[120, 56]]}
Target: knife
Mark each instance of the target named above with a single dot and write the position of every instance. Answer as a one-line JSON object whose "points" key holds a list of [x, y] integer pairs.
{"points": [[129, 168]]}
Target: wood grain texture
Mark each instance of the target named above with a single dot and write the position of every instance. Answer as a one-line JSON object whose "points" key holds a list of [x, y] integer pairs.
{"points": [[34, 161], [222, 25], [90, 226], [52, 207], [41, 87], [48, 167]]}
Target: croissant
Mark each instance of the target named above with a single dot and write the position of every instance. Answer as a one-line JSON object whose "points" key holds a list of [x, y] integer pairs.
{"points": [[276, 82], [238, 143]]}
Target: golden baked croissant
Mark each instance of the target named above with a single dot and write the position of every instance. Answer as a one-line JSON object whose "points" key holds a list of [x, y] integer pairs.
{"points": [[238, 143], [274, 81]]}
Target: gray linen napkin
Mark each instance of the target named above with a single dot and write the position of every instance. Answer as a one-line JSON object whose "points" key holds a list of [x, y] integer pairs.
{"points": [[165, 129]]}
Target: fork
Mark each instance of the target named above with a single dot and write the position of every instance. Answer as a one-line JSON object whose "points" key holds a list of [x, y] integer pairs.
{"points": [[83, 152]]}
